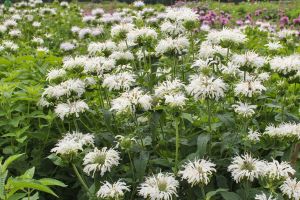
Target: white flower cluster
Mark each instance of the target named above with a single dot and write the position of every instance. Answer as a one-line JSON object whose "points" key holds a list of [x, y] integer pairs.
{"points": [[284, 130], [226, 35], [72, 143]]}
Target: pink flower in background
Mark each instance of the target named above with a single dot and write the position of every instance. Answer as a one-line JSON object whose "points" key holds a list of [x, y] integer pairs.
{"points": [[284, 20], [296, 20]]}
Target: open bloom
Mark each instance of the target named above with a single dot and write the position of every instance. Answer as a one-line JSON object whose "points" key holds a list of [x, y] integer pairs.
{"points": [[263, 196], [66, 109], [113, 190], [245, 167], [249, 88], [100, 160], [244, 109], [291, 188], [198, 171], [129, 101], [206, 87], [72, 143], [277, 171], [283, 130], [159, 187]]}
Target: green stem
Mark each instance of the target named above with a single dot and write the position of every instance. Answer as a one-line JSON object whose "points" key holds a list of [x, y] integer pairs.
{"points": [[209, 115], [80, 178], [132, 166], [203, 192], [177, 144]]}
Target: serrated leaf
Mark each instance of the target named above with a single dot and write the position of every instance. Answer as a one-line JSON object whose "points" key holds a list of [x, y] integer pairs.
{"points": [[20, 184], [29, 173], [50, 181], [17, 196], [9, 160]]}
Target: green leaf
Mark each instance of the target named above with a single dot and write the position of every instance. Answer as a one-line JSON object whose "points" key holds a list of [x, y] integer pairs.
{"points": [[230, 196], [3, 177], [56, 160], [210, 194], [17, 196], [202, 142], [29, 173], [141, 164], [20, 184], [9, 160], [50, 181]]}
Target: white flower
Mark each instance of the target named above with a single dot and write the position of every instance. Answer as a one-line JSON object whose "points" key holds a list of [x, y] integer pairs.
{"points": [[245, 167], [75, 29], [208, 50], [159, 187], [181, 14], [286, 64], [178, 45], [291, 188], [175, 100], [67, 46], [55, 73], [119, 81], [10, 23], [172, 29], [273, 45], [71, 143], [231, 69], [88, 18], [253, 135], [10, 45], [121, 29], [37, 40], [15, 33], [66, 109], [277, 171], [3, 29], [286, 129], [248, 59], [138, 4], [71, 63], [231, 35], [97, 12], [100, 160], [121, 55], [244, 109], [198, 171], [98, 47], [249, 88], [86, 139], [263, 196], [128, 101], [113, 191], [96, 31], [64, 4], [82, 33], [141, 35], [206, 87], [36, 24], [67, 147], [69, 87], [168, 87], [284, 33]]}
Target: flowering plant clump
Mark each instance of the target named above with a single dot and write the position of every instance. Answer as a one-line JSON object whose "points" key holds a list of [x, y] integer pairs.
{"points": [[148, 102]]}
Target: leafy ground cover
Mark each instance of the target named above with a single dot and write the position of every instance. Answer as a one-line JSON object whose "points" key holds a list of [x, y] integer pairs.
{"points": [[143, 101]]}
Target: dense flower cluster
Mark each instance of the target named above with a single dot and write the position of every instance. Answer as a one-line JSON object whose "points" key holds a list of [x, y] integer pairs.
{"points": [[170, 100]]}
